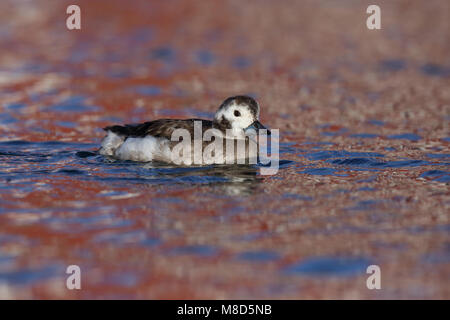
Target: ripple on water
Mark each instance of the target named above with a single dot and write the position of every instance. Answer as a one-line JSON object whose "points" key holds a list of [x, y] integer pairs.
{"points": [[196, 250], [364, 135], [147, 90], [119, 237], [164, 53], [15, 106], [258, 256], [323, 172], [405, 136], [435, 70], [329, 266], [73, 104], [205, 57], [438, 155], [241, 62], [27, 276], [436, 175], [376, 122], [6, 119], [392, 65], [375, 163], [441, 256], [330, 154]]}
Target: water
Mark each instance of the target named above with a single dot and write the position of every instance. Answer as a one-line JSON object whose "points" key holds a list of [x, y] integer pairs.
{"points": [[64, 201], [364, 155]]}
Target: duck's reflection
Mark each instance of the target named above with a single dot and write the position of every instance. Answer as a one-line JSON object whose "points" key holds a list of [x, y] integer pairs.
{"points": [[228, 179]]}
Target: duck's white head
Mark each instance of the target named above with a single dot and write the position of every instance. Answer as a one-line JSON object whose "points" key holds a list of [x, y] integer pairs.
{"points": [[238, 113]]}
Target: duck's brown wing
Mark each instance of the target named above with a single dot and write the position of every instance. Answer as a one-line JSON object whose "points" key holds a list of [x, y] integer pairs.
{"points": [[158, 128]]}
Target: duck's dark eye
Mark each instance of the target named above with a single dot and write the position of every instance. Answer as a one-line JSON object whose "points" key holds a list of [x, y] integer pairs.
{"points": [[237, 113]]}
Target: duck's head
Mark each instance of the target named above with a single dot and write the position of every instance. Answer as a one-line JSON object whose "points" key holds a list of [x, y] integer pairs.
{"points": [[239, 113]]}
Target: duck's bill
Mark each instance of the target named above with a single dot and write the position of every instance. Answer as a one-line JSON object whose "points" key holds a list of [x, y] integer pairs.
{"points": [[257, 126]]}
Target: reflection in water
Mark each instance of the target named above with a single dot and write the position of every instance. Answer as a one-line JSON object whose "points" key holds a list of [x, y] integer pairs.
{"points": [[231, 179]]}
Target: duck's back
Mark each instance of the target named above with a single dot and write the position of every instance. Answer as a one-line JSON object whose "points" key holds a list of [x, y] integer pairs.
{"points": [[158, 128]]}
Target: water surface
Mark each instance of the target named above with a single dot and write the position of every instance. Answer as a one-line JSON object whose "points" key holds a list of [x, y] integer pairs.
{"points": [[364, 151]]}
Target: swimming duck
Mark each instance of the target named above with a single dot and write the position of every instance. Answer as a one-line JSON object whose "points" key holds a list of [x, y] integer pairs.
{"points": [[153, 140]]}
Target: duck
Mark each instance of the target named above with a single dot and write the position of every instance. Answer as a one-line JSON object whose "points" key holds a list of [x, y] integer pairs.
{"points": [[235, 122]]}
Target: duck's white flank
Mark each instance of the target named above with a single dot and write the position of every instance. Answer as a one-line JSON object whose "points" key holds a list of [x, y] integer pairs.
{"points": [[143, 149]]}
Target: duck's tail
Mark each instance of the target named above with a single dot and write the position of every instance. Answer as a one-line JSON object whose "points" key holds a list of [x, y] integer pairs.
{"points": [[112, 141]]}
